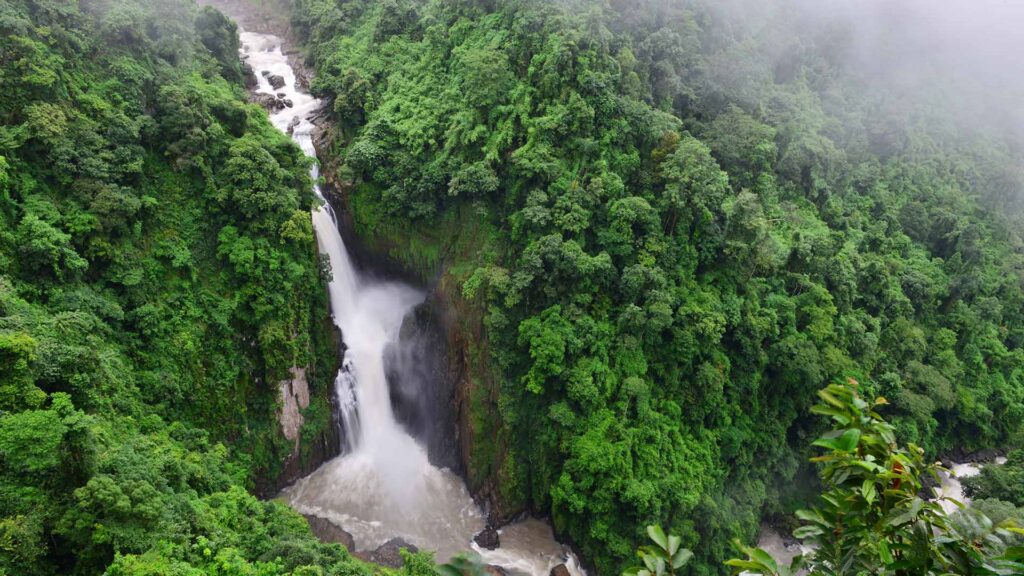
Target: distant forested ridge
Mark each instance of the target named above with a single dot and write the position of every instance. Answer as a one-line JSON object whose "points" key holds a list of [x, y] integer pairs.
{"points": [[158, 279], [687, 218]]}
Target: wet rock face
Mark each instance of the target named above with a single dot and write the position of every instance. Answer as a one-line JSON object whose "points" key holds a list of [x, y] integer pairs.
{"points": [[487, 538], [493, 570], [422, 390], [276, 81], [302, 458], [294, 399]]}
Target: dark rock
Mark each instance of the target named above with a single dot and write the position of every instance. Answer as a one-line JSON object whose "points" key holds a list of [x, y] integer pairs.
{"points": [[301, 75], [287, 102], [291, 125], [487, 538], [265, 100], [281, 94], [388, 554], [270, 102], [276, 81], [982, 456], [421, 389], [265, 73], [329, 532], [494, 570], [560, 570], [250, 76]]}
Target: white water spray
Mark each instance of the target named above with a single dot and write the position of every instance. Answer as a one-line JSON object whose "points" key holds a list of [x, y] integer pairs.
{"points": [[383, 485]]}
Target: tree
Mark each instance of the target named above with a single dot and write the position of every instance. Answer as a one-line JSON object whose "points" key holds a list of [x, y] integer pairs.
{"points": [[220, 36], [695, 189], [30, 440], [872, 518], [665, 557]]}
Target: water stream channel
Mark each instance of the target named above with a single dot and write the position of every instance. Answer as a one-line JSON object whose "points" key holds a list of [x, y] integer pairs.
{"points": [[383, 485]]}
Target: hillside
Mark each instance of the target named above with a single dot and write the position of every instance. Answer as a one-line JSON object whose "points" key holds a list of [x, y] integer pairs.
{"points": [[648, 237], [159, 280], [676, 221]]}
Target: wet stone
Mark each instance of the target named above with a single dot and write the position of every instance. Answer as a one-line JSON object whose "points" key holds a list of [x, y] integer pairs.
{"points": [[487, 538], [560, 570]]}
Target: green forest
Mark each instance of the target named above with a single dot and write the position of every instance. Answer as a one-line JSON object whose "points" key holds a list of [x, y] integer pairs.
{"points": [[158, 277], [675, 222], [678, 240]]}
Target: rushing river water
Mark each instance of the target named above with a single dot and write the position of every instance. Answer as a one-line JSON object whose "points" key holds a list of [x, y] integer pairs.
{"points": [[383, 486]]}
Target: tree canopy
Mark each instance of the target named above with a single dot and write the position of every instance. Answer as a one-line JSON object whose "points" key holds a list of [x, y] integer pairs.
{"points": [[691, 214]]}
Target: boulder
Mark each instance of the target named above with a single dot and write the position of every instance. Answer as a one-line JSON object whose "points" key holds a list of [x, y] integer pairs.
{"points": [[560, 570], [250, 76], [291, 125], [329, 532], [276, 81], [487, 538], [287, 102], [494, 570], [265, 73], [267, 101], [388, 554]]}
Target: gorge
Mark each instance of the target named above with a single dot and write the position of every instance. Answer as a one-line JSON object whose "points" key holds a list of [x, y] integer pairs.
{"points": [[287, 286], [383, 485]]}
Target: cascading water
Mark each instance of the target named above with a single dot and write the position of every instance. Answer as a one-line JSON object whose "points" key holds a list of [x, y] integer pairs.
{"points": [[383, 485]]}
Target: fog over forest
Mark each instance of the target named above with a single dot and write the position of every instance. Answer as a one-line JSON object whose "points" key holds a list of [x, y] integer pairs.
{"points": [[970, 49]]}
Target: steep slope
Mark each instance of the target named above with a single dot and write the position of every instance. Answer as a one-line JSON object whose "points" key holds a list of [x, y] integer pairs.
{"points": [[664, 228], [159, 286]]}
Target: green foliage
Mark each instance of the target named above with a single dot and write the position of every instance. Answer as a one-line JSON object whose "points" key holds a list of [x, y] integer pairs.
{"points": [[871, 518], [1002, 482], [666, 556], [698, 217], [158, 277], [462, 565]]}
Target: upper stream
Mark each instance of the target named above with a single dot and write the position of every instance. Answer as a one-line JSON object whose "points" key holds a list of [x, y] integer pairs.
{"points": [[383, 485]]}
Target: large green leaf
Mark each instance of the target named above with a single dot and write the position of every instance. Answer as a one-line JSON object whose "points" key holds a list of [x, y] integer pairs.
{"points": [[658, 536]]}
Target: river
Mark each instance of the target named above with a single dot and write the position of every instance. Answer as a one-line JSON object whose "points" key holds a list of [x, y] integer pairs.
{"points": [[383, 485]]}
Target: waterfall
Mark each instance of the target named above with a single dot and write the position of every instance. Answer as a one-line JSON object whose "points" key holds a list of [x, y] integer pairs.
{"points": [[382, 485]]}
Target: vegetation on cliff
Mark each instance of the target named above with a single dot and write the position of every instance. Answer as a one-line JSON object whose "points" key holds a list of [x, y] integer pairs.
{"points": [[696, 215], [871, 518], [158, 278]]}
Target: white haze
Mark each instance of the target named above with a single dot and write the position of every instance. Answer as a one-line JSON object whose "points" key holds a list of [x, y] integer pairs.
{"points": [[383, 486], [968, 51]]}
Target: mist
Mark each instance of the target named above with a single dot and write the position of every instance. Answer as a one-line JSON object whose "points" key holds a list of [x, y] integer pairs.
{"points": [[965, 55]]}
